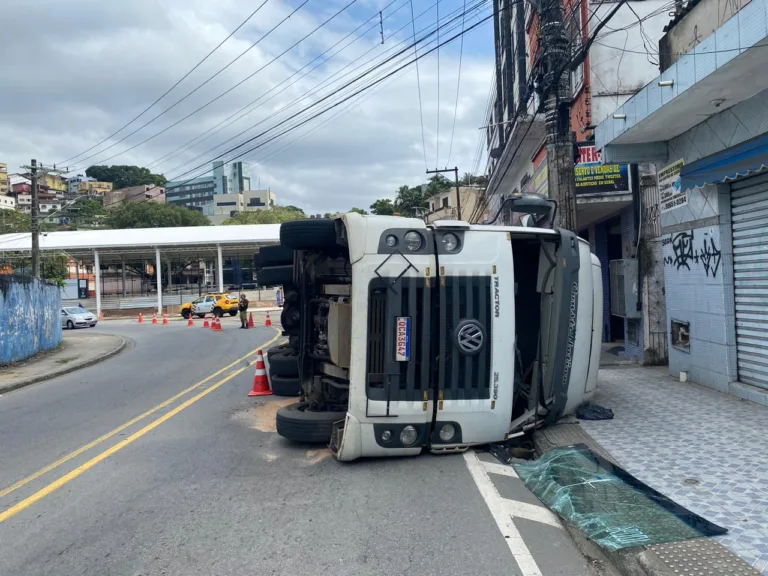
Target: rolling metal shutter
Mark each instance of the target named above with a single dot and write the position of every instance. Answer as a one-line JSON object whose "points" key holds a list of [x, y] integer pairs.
{"points": [[749, 208]]}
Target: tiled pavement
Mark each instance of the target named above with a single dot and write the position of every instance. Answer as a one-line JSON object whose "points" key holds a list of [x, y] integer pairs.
{"points": [[706, 450]]}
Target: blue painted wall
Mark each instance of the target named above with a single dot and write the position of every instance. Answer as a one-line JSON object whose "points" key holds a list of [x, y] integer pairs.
{"points": [[30, 319]]}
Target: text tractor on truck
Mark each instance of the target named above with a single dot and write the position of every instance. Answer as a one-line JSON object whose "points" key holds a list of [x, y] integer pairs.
{"points": [[440, 336]]}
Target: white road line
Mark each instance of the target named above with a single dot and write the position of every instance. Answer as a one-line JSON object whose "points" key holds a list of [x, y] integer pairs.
{"points": [[531, 512], [501, 469], [495, 503]]}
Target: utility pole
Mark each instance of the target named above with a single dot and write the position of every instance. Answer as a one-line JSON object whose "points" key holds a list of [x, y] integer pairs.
{"points": [[35, 224], [455, 171], [554, 87]]}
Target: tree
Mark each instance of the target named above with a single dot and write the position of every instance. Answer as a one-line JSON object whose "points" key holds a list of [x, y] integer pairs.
{"points": [[274, 215], [359, 211], [412, 202], [12, 222], [125, 176], [383, 207], [154, 215]]}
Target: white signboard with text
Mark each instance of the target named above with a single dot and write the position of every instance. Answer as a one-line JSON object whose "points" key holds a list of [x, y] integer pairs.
{"points": [[671, 193]]}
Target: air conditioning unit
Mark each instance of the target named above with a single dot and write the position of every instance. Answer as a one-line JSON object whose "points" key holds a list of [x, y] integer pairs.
{"points": [[624, 287]]}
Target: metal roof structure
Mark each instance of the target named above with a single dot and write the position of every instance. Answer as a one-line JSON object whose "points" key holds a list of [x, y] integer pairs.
{"points": [[143, 242]]}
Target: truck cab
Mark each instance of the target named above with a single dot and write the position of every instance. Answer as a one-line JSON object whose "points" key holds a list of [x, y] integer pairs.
{"points": [[443, 336]]}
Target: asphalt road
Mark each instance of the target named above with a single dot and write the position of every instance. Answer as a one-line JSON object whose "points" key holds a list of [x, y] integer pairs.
{"points": [[121, 469]]}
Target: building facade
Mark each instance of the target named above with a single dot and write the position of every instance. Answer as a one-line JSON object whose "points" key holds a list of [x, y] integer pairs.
{"points": [[194, 194], [606, 193], [225, 206], [144, 193], [3, 179], [444, 206], [231, 177], [703, 124], [7, 203]]}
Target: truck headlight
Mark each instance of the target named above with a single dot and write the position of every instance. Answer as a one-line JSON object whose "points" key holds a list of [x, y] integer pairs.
{"points": [[391, 241], [386, 436], [408, 435], [450, 241], [412, 241], [447, 432]]}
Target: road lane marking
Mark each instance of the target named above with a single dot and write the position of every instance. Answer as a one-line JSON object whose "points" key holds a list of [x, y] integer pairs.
{"points": [[531, 512], [500, 469], [80, 470], [506, 525], [128, 424]]}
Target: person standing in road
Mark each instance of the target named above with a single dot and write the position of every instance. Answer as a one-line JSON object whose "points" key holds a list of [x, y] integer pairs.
{"points": [[243, 307]]}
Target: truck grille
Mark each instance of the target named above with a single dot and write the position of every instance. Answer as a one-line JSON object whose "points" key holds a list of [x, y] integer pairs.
{"points": [[463, 377], [388, 379]]}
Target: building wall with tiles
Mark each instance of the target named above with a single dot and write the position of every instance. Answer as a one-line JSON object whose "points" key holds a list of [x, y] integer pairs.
{"points": [[698, 273]]}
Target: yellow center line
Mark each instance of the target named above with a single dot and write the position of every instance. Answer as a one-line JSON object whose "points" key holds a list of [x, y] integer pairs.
{"points": [[56, 484], [128, 424]]}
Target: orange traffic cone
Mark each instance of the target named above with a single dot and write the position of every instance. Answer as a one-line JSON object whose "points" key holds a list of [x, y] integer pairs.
{"points": [[141, 318], [217, 324], [260, 382], [101, 316], [165, 319], [154, 318], [206, 324], [269, 321], [250, 320], [190, 322]]}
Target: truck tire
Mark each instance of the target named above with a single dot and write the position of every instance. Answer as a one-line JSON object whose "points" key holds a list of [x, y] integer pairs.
{"points": [[296, 423], [275, 275], [308, 234], [275, 256], [285, 364], [280, 348], [290, 318], [285, 386]]}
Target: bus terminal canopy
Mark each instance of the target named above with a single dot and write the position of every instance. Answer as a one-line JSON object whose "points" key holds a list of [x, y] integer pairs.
{"points": [[158, 244], [145, 243]]}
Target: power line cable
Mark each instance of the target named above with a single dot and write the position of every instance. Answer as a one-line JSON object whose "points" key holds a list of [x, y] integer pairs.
{"points": [[476, 6], [418, 86], [458, 85], [334, 105], [240, 113], [148, 108], [437, 136]]}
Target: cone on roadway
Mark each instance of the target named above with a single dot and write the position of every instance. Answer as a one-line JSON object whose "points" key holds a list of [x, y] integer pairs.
{"points": [[101, 316], [217, 324], [250, 320], [260, 382], [154, 318], [141, 318], [190, 322], [269, 321], [206, 324], [165, 319]]}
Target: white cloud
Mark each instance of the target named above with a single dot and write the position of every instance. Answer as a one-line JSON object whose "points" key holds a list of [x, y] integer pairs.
{"points": [[94, 65]]}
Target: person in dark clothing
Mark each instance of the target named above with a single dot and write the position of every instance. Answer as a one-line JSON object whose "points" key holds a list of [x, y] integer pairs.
{"points": [[243, 307]]}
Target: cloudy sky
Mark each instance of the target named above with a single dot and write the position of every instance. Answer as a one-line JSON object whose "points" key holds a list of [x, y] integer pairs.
{"points": [[75, 71]]}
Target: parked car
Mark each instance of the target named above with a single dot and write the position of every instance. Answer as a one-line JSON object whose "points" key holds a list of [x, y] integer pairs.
{"points": [[186, 309], [217, 304], [75, 317]]}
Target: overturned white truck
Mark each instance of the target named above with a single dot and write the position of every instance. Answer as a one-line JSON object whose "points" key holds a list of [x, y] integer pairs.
{"points": [[412, 336]]}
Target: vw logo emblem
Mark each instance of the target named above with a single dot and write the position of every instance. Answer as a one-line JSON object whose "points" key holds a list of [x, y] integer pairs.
{"points": [[470, 337]]}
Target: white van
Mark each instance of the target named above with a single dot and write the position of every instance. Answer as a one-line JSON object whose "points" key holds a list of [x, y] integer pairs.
{"points": [[438, 337]]}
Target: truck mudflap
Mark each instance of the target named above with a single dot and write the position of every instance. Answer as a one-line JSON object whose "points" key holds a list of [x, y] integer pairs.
{"points": [[556, 374]]}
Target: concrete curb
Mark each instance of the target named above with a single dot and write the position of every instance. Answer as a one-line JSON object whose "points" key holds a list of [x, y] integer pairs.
{"points": [[68, 369]]}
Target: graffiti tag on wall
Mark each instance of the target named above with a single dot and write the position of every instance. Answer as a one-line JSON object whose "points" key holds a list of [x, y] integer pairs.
{"points": [[686, 253]]}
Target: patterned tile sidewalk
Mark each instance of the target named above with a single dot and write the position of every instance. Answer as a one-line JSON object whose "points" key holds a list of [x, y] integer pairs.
{"points": [[706, 450]]}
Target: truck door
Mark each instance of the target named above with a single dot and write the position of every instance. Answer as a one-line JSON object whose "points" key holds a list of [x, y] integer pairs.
{"points": [[476, 351]]}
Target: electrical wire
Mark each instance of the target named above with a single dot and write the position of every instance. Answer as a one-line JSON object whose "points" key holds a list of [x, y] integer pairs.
{"points": [[418, 86], [331, 106], [148, 108], [458, 85], [240, 113], [180, 100], [479, 4], [437, 136]]}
